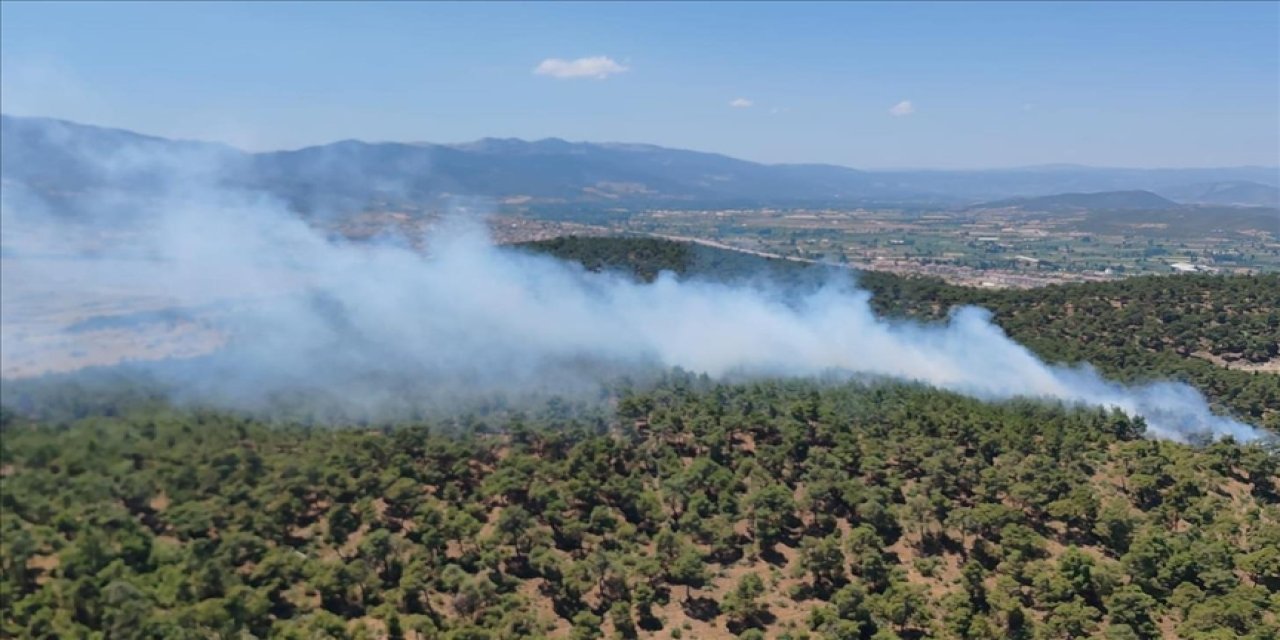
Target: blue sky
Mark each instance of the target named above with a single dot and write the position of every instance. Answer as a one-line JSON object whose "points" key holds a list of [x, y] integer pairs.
{"points": [[988, 85]]}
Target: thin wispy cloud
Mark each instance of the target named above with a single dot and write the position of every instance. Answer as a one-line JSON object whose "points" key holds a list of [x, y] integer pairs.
{"points": [[741, 103], [904, 108], [598, 67]]}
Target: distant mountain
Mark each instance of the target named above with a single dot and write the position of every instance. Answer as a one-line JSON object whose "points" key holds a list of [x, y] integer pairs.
{"points": [[1108, 200], [72, 157], [550, 171], [67, 157], [995, 184], [69, 161], [1187, 221], [1140, 212], [1232, 193]]}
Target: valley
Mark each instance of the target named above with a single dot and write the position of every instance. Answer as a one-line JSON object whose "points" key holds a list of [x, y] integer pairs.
{"points": [[988, 248]]}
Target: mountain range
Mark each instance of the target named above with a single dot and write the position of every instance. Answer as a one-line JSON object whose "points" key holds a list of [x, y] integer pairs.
{"points": [[1111, 200], [1227, 193], [67, 158]]}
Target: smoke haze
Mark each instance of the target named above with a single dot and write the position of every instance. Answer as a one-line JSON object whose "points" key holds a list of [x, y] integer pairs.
{"points": [[288, 309]]}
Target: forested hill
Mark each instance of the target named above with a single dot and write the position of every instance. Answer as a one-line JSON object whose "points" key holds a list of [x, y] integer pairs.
{"points": [[779, 510], [1133, 329], [689, 509], [1085, 201]]}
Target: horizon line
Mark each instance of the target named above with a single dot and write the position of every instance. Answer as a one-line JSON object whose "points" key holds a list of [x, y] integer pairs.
{"points": [[891, 169]]}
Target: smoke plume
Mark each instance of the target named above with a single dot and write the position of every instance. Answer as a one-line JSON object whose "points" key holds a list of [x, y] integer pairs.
{"points": [[289, 309]]}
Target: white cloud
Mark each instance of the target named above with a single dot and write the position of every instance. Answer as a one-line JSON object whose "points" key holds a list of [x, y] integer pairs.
{"points": [[740, 103], [904, 108], [598, 67]]}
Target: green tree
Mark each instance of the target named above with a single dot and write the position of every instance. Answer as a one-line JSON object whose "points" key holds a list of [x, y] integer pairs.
{"points": [[742, 605]]}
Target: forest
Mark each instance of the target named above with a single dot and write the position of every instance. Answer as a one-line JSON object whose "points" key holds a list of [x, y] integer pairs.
{"points": [[684, 507], [1134, 329]]}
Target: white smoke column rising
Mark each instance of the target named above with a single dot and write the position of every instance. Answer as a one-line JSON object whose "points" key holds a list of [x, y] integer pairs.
{"points": [[306, 312], [471, 307]]}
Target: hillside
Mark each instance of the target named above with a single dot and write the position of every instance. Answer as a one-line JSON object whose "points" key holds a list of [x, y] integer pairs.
{"points": [[781, 510], [65, 159], [1146, 213], [677, 508], [1082, 201], [1135, 328], [349, 175], [1187, 221], [1237, 193]]}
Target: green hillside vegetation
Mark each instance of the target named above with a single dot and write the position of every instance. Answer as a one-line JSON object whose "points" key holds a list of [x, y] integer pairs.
{"points": [[1133, 329], [786, 510], [683, 508]]}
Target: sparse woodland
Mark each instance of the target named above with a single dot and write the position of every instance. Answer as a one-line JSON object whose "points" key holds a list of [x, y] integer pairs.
{"points": [[686, 508]]}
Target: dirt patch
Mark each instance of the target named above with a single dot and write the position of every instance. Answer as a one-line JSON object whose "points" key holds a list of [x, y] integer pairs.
{"points": [[159, 503], [544, 609], [673, 616], [945, 574], [44, 565], [1270, 366]]}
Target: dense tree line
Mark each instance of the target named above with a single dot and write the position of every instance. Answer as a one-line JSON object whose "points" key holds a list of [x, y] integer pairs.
{"points": [[1134, 329], [695, 509]]}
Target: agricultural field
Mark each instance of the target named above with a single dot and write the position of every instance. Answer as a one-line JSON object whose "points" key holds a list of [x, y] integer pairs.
{"points": [[986, 247]]}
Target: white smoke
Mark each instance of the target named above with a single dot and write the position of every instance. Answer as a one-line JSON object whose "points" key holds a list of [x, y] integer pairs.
{"points": [[301, 311]]}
